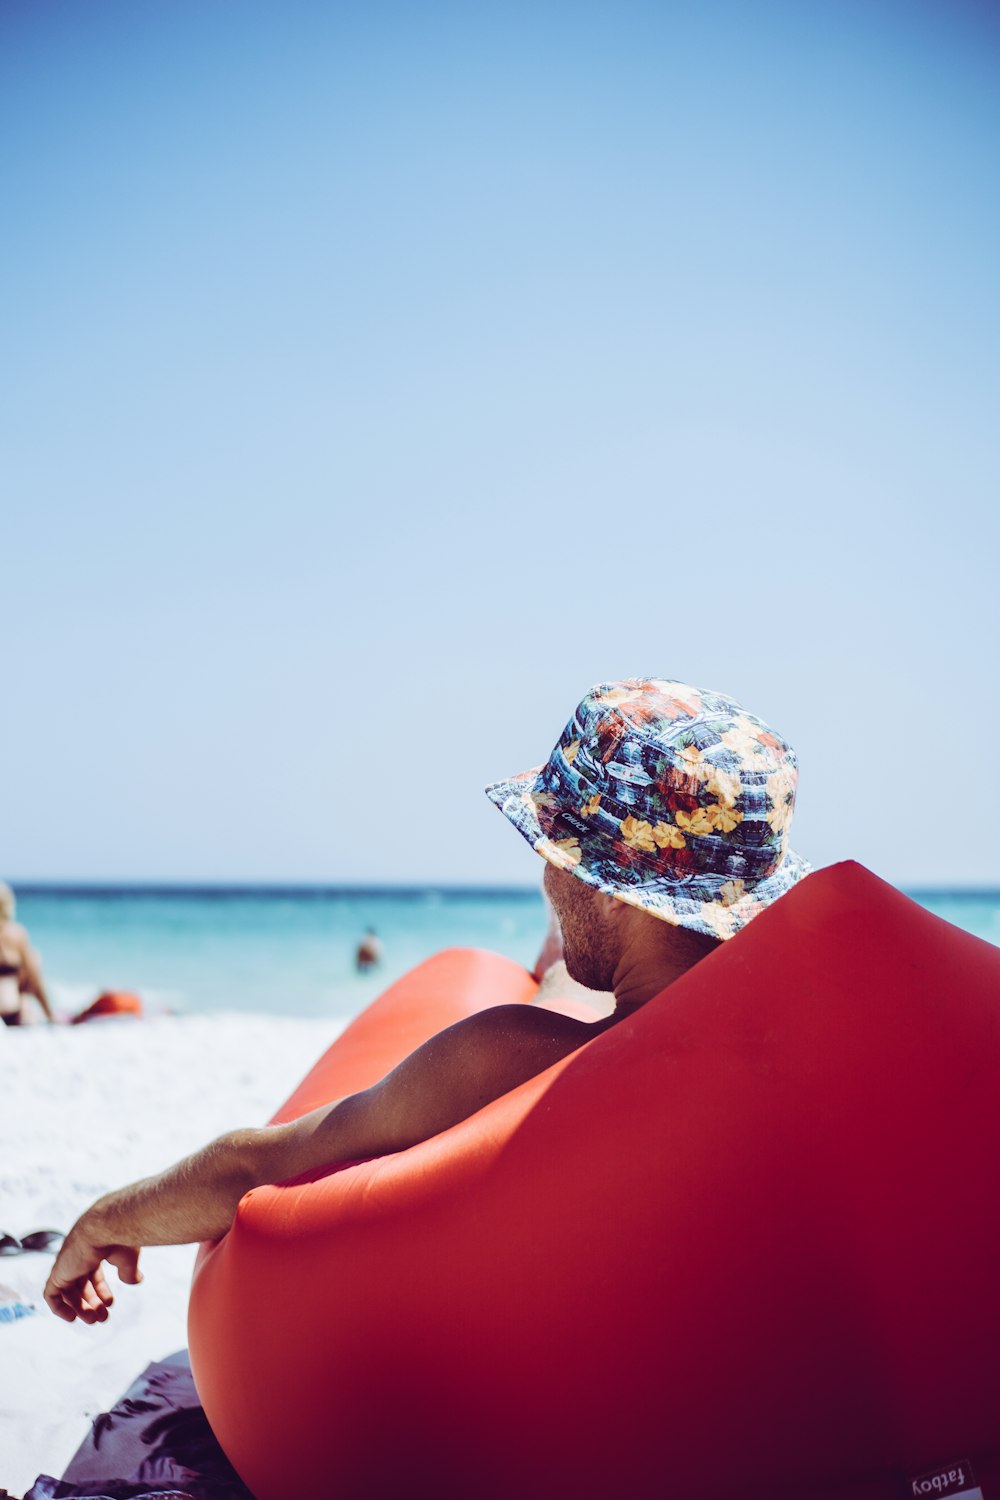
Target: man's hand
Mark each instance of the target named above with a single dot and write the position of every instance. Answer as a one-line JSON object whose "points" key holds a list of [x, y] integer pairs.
{"points": [[77, 1286]]}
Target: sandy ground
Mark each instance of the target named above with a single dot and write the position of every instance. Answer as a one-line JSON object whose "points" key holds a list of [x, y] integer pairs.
{"points": [[84, 1109]]}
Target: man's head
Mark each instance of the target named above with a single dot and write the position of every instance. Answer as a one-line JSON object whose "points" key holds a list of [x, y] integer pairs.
{"points": [[600, 934], [666, 798]]}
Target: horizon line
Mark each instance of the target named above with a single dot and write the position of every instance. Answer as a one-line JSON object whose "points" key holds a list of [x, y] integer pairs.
{"points": [[266, 887], [222, 887]]}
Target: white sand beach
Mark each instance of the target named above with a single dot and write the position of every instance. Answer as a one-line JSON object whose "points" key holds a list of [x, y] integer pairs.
{"points": [[84, 1109]]}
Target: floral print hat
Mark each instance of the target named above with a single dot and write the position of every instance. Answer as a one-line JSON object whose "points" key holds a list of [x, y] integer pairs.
{"points": [[668, 797]]}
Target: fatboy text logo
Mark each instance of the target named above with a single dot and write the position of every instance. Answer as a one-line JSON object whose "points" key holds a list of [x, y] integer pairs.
{"points": [[956, 1481]]}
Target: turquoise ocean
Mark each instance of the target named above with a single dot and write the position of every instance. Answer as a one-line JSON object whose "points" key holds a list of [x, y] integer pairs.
{"points": [[279, 951], [290, 951]]}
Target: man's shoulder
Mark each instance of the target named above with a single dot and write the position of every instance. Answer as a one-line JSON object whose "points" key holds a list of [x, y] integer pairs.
{"points": [[526, 1026]]}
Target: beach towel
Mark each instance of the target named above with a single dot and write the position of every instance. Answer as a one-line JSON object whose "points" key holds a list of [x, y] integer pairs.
{"points": [[154, 1444], [47, 1488]]}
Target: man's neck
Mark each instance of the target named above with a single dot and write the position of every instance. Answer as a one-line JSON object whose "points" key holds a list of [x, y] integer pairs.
{"points": [[643, 972]]}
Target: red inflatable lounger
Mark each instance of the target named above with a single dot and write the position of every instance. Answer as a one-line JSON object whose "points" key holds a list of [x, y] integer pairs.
{"points": [[742, 1245]]}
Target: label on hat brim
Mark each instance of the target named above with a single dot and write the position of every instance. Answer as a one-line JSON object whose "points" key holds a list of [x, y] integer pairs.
{"points": [[634, 774], [954, 1481]]}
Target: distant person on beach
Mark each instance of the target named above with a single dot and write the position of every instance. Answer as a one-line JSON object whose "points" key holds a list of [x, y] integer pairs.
{"points": [[663, 815], [369, 952], [20, 969]]}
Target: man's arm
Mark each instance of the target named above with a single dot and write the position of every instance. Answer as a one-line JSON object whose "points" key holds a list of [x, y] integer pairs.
{"points": [[447, 1079]]}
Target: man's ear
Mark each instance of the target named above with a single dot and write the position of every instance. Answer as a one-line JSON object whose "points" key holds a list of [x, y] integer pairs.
{"points": [[610, 909]]}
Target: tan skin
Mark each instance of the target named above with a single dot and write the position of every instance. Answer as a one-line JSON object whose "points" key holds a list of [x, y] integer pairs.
{"points": [[608, 946], [15, 948]]}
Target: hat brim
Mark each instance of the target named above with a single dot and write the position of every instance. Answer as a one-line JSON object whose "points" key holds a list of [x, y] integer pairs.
{"points": [[712, 904]]}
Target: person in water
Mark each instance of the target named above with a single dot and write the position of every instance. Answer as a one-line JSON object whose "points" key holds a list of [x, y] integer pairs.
{"points": [[369, 952], [663, 816], [20, 969]]}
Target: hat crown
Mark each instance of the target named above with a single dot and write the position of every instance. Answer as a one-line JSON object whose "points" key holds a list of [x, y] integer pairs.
{"points": [[669, 797], [685, 775]]}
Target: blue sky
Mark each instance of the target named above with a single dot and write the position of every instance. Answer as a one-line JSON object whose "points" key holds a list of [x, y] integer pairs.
{"points": [[375, 379]]}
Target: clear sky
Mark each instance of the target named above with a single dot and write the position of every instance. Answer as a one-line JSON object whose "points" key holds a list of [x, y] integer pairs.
{"points": [[377, 377]]}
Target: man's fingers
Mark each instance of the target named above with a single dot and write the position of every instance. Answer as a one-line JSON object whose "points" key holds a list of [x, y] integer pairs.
{"points": [[125, 1259], [93, 1297], [72, 1302], [100, 1284], [88, 1299], [56, 1299], [93, 1311], [56, 1302], [86, 1294]]}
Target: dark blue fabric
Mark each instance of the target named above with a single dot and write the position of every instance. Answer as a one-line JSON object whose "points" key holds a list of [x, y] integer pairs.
{"points": [[154, 1442], [47, 1488]]}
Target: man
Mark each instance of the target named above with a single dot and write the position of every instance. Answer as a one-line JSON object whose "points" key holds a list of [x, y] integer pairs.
{"points": [[663, 814]]}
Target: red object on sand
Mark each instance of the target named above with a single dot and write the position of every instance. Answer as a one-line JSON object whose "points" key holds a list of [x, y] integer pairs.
{"points": [[111, 1003], [742, 1244]]}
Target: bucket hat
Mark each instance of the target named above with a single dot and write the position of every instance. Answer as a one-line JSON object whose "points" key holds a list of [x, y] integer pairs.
{"points": [[669, 797]]}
